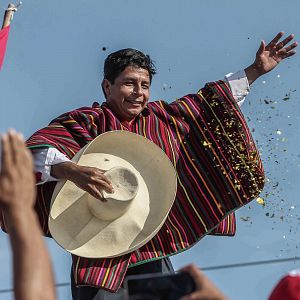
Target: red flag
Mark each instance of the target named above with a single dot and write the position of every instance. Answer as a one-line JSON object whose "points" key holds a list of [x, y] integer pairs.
{"points": [[3, 40]]}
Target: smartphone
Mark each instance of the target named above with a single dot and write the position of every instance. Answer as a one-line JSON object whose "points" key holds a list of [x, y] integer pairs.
{"points": [[159, 287]]}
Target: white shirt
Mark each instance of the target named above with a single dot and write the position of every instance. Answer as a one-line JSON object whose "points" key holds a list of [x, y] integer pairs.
{"points": [[44, 158]]}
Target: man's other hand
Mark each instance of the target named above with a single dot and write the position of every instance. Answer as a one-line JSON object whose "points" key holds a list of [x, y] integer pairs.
{"points": [[89, 179]]}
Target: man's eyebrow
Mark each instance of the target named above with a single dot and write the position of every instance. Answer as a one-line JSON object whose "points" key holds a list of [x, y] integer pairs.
{"points": [[129, 78]]}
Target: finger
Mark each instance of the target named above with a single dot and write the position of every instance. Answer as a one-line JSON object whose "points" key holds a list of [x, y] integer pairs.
{"points": [[13, 145], [104, 178], [23, 153], [285, 42], [196, 273], [190, 269], [288, 54], [19, 148], [97, 194], [98, 173], [6, 154], [275, 40], [262, 47], [103, 185], [288, 48]]}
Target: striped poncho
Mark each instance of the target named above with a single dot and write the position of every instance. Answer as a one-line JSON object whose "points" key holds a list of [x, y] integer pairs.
{"points": [[206, 138]]}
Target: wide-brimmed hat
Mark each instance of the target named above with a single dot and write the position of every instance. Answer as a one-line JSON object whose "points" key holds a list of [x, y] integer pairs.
{"points": [[144, 182]]}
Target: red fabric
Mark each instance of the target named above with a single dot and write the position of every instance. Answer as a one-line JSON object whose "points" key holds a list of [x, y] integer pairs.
{"points": [[3, 41], [288, 288]]}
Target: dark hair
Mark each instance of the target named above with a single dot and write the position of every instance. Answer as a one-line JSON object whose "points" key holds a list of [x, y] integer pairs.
{"points": [[116, 62]]}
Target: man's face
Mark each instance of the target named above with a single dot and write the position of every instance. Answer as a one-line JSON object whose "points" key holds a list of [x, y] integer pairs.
{"points": [[129, 94]]}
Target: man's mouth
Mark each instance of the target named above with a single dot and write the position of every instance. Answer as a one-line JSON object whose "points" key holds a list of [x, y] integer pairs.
{"points": [[135, 102]]}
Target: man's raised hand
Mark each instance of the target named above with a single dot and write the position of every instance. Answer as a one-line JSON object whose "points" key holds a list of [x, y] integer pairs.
{"points": [[269, 56]]}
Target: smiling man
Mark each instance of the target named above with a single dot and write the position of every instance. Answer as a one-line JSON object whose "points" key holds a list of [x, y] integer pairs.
{"points": [[204, 135], [127, 92]]}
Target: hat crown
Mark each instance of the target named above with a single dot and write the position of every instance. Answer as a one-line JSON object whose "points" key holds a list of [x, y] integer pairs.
{"points": [[125, 185]]}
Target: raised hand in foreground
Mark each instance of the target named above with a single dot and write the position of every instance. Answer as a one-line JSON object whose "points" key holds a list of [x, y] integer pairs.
{"points": [[33, 278]]}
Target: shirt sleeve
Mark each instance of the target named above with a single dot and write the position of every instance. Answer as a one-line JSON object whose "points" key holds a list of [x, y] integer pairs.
{"points": [[239, 85], [3, 41], [43, 159]]}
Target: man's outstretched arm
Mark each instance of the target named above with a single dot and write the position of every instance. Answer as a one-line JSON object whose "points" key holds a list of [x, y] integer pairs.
{"points": [[269, 56], [33, 278]]}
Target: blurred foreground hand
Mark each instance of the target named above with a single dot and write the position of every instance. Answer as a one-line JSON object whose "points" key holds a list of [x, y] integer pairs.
{"points": [[33, 278], [205, 289], [17, 182]]}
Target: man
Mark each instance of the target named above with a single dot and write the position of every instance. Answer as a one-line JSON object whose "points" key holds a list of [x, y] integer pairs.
{"points": [[203, 200], [17, 196]]}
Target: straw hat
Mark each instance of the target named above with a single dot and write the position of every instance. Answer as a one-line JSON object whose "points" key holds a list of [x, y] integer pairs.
{"points": [[144, 182]]}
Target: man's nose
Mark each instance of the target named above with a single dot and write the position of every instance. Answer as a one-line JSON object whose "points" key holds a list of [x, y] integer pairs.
{"points": [[138, 90]]}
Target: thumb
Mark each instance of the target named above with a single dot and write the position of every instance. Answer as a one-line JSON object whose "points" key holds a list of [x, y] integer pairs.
{"points": [[262, 47]]}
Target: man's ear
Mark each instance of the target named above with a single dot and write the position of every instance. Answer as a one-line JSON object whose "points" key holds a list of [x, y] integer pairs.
{"points": [[106, 88]]}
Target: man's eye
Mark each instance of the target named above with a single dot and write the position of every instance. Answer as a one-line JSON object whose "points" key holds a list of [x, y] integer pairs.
{"points": [[128, 83], [145, 87]]}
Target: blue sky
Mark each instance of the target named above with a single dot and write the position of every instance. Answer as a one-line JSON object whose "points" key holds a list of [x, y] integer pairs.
{"points": [[54, 64]]}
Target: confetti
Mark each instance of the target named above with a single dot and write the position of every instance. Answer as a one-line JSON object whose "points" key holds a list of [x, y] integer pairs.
{"points": [[287, 97], [206, 144], [260, 201]]}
